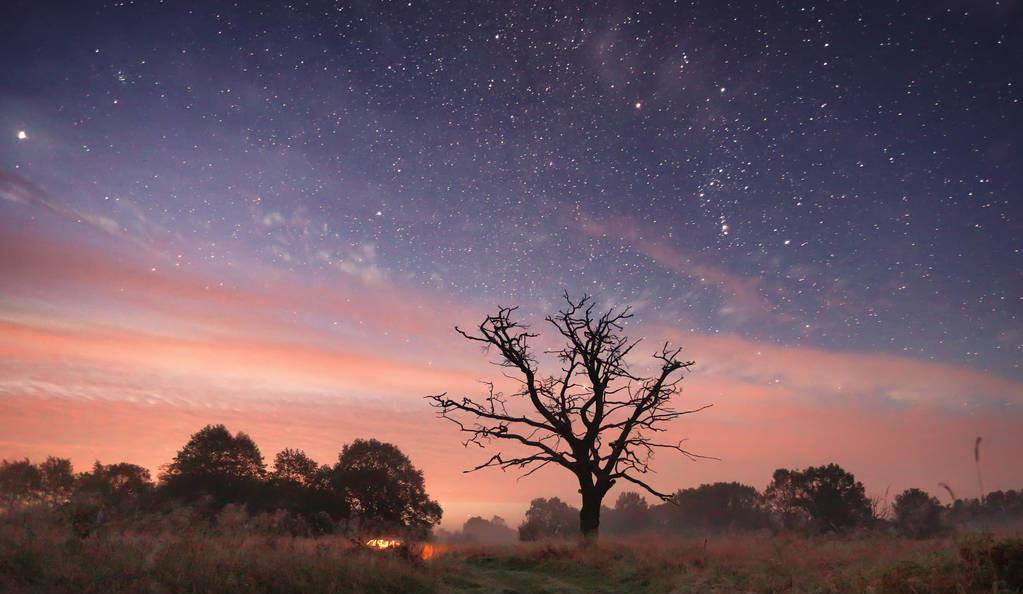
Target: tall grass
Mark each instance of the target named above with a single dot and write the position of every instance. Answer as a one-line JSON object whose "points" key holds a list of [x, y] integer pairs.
{"points": [[40, 553], [44, 557]]}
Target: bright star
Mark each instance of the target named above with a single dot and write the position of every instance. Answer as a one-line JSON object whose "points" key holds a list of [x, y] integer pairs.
{"points": [[22, 135]]}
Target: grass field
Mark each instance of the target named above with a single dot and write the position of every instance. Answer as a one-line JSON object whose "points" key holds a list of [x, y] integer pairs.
{"points": [[45, 558]]}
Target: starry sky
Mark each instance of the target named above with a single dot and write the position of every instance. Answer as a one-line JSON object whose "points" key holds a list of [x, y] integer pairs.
{"points": [[272, 214]]}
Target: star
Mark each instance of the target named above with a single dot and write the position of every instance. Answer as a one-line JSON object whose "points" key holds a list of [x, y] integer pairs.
{"points": [[22, 135]]}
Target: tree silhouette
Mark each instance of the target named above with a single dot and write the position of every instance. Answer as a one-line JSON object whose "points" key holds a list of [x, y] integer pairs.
{"points": [[20, 481], [631, 514], [299, 484], [118, 487], [827, 498], [57, 479], [548, 518], [917, 514], [596, 418], [483, 531], [294, 466], [715, 507], [384, 489], [217, 464]]}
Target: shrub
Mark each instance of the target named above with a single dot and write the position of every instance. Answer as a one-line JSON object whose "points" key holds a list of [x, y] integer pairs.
{"points": [[1007, 562], [917, 514], [935, 575]]}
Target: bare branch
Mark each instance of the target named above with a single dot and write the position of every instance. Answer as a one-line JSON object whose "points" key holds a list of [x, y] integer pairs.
{"points": [[594, 417]]}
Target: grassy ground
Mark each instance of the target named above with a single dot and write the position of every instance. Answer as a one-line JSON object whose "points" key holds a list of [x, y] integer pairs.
{"points": [[737, 563], [45, 558]]}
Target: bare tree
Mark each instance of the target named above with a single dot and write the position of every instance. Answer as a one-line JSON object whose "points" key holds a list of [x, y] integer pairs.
{"points": [[595, 418]]}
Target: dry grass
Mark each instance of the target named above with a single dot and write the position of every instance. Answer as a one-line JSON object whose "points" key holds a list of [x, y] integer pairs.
{"points": [[42, 555], [38, 558], [733, 563]]}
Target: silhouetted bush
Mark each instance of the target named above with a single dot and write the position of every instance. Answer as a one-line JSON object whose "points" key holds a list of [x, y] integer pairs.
{"points": [[917, 514]]}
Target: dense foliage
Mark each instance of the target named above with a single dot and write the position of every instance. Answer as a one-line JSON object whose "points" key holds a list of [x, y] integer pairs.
{"points": [[383, 487], [917, 514], [820, 498], [374, 488]]}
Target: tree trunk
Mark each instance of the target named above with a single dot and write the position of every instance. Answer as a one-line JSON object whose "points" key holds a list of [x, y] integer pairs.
{"points": [[589, 515]]}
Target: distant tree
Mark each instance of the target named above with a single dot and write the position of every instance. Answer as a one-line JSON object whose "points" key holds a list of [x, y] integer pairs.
{"points": [[20, 482], [227, 468], [995, 509], [549, 518], [595, 418], [493, 531], [1005, 503], [714, 507], [57, 479], [117, 487], [630, 515], [968, 511], [298, 484], [384, 490], [294, 466], [917, 514], [826, 498]]}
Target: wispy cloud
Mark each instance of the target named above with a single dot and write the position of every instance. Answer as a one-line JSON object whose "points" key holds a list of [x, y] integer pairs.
{"points": [[741, 294], [21, 191]]}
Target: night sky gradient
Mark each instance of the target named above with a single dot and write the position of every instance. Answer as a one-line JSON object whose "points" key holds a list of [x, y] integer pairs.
{"points": [[272, 214]]}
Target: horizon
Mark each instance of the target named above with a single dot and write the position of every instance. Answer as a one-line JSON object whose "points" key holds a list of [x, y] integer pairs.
{"points": [[274, 219]]}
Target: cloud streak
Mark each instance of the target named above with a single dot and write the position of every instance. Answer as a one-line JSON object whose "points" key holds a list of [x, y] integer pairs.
{"points": [[742, 293]]}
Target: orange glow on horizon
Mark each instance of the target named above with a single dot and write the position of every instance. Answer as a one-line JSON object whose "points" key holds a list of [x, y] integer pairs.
{"points": [[127, 365]]}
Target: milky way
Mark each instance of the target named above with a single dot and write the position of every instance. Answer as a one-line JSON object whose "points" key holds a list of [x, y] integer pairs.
{"points": [[858, 162], [830, 175]]}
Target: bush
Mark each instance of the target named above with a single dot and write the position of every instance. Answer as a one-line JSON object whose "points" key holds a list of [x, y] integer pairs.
{"points": [[989, 564], [84, 517], [1007, 561], [936, 575], [917, 514]]}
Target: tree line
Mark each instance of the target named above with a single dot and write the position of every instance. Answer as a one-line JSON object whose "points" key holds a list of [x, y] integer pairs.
{"points": [[372, 488], [816, 500]]}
